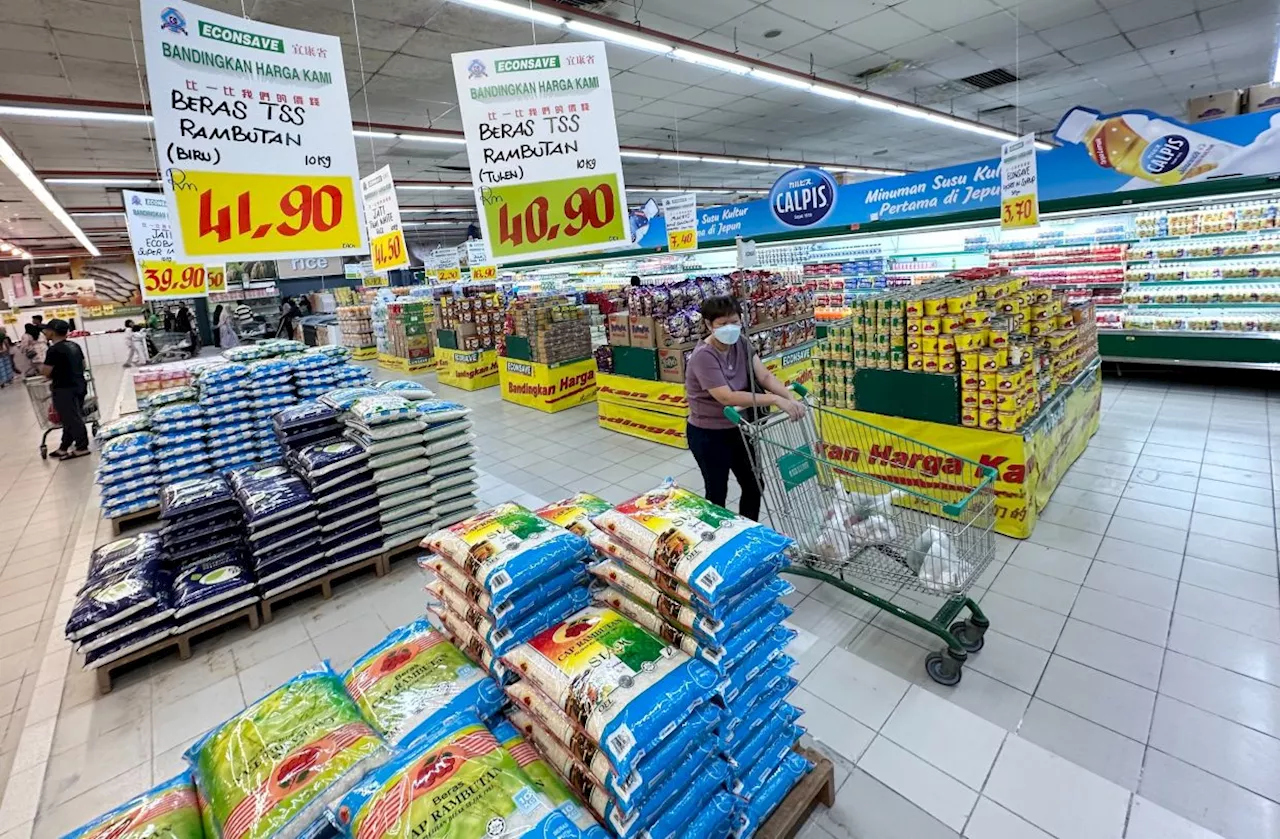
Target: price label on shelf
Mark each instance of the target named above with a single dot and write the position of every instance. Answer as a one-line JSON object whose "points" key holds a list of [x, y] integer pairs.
{"points": [[216, 278], [449, 275], [682, 240], [226, 213], [161, 280], [484, 272], [389, 250], [1019, 184], [574, 213]]}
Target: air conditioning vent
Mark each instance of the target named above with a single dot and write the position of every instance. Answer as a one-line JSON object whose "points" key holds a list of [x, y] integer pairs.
{"points": [[990, 79]]}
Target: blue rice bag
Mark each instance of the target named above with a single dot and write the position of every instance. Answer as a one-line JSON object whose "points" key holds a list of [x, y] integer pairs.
{"points": [[126, 424], [739, 699], [504, 611], [770, 795], [415, 678], [711, 550], [344, 398], [274, 502], [212, 579], [752, 710], [501, 640], [406, 389], [508, 547], [306, 415], [713, 820], [697, 792], [460, 760], [750, 777], [121, 555], [619, 684], [112, 600]]}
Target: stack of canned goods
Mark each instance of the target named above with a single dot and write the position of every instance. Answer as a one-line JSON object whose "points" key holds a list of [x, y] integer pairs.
{"points": [[834, 367]]}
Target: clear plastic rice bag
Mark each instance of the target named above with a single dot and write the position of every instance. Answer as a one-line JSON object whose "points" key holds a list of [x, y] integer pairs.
{"points": [[167, 811], [545, 778], [574, 513], [270, 770], [413, 677]]}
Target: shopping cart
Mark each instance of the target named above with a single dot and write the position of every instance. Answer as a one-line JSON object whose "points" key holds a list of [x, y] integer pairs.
{"points": [[866, 504], [41, 392], [170, 346]]}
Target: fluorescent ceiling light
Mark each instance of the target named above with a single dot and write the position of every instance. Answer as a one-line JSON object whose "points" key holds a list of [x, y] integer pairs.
{"points": [[711, 61], [63, 113], [98, 213], [617, 37], [691, 158], [374, 135], [742, 161], [103, 182], [781, 79], [512, 10], [433, 138], [639, 155], [23, 172], [836, 93]]}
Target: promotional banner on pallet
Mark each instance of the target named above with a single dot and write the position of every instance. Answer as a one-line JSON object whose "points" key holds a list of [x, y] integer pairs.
{"points": [[1100, 154], [543, 148], [545, 387], [253, 132]]}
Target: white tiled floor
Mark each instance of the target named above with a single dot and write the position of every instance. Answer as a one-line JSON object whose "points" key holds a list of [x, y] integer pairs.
{"points": [[1130, 685]]}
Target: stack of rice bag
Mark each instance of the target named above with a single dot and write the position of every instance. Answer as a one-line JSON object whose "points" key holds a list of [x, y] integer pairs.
{"points": [[227, 405], [502, 576], [178, 440], [315, 372], [281, 523], [271, 385], [126, 474], [341, 483], [125, 603], [305, 424], [387, 427], [451, 455], [706, 582]]}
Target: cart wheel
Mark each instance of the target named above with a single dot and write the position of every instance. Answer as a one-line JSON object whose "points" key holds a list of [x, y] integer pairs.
{"points": [[44, 452], [969, 635], [943, 668]]}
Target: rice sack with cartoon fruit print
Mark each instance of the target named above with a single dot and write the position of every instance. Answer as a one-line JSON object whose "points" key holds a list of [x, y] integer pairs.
{"points": [[168, 811], [711, 550], [412, 676], [270, 770], [456, 781]]}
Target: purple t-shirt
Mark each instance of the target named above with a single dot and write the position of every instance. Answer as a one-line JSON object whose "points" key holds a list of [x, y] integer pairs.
{"points": [[708, 367]]}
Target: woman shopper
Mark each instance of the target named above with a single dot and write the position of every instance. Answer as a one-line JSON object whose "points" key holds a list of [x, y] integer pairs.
{"points": [[225, 328], [64, 366], [719, 375]]}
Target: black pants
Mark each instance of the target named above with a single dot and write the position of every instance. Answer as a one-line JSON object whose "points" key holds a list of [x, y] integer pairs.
{"points": [[69, 403], [719, 451]]}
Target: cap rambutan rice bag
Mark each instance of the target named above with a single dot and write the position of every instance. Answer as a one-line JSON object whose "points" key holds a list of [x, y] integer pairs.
{"points": [[574, 513], [505, 610], [711, 550], [455, 781], [621, 685], [169, 810], [269, 771], [508, 547], [414, 675], [546, 779]]}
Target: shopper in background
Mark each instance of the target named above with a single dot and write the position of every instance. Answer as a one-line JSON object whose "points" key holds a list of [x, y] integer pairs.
{"points": [[137, 340], [289, 312], [182, 320], [30, 347], [217, 324], [153, 320], [719, 375], [225, 328], [36, 325], [635, 281], [64, 366]]}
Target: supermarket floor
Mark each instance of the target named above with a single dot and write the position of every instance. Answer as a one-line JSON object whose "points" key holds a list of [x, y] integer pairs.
{"points": [[1130, 685]]}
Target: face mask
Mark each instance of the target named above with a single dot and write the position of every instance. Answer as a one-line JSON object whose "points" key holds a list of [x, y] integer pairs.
{"points": [[728, 334]]}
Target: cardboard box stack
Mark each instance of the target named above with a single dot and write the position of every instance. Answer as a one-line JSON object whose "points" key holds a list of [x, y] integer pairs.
{"points": [[555, 327], [476, 316], [409, 325], [356, 324]]}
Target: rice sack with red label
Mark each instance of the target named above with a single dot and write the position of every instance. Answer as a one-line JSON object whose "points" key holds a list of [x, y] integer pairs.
{"points": [[413, 676], [454, 782], [704, 546], [546, 779], [168, 811], [501, 640], [269, 771], [622, 686], [575, 513]]}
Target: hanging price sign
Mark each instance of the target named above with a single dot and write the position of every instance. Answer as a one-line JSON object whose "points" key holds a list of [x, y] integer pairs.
{"points": [[253, 132], [484, 272], [1019, 184], [389, 251], [681, 213], [543, 148], [382, 214], [216, 278], [162, 280]]}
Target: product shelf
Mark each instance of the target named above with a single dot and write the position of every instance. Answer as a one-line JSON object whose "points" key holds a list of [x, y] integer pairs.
{"points": [[1205, 282], [1210, 306], [1101, 264], [1176, 259]]}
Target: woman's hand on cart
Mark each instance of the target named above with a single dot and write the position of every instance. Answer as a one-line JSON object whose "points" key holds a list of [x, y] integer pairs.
{"points": [[792, 407]]}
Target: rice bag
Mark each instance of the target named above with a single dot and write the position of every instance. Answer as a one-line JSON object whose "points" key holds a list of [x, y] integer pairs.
{"points": [[321, 460], [376, 410], [515, 632], [126, 446], [270, 770], [711, 550], [700, 789], [748, 820], [210, 580], [406, 389], [438, 410], [275, 503], [617, 682], [456, 780], [118, 427], [159, 615], [197, 496], [123, 643], [121, 555], [778, 743], [212, 612], [545, 779], [111, 600], [414, 676], [713, 819], [343, 398], [661, 579], [574, 513], [442, 430], [508, 547]]}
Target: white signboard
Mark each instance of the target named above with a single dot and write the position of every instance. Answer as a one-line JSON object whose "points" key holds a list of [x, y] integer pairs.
{"points": [[681, 213], [253, 132], [382, 215], [146, 214], [747, 253], [543, 148], [1019, 184]]}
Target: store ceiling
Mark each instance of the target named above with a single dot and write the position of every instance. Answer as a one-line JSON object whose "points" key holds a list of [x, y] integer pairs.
{"points": [[1103, 53]]}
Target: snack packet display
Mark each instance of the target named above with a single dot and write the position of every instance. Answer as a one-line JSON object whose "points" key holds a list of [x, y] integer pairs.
{"points": [[271, 770], [168, 810], [413, 677], [458, 760]]}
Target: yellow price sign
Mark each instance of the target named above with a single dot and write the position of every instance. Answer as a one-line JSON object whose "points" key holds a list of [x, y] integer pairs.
{"points": [[375, 281], [233, 212], [216, 278], [449, 275], [389, 250], [173, 279], [1022, 211], [534, 217], [682, 240], [484, 272]]}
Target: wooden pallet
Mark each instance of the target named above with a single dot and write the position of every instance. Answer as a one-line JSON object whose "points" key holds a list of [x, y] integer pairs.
{"points": [[118, 524], [818, 787], [182, 642], [324, 583]]}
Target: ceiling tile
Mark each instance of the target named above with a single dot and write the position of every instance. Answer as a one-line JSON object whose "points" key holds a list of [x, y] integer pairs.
{"points": [[826, 51], [1079, 32], [827, 14], [1150, 12], [941, 14], [884, 30], [674, 70], [703, 13], [1012, 54], [1098, 50], [1162, 33], [750, 28], [704, 97]]}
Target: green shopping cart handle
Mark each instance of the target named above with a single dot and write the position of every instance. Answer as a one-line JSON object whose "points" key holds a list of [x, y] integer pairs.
{"points": [[731, 413], [800, 389]]}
